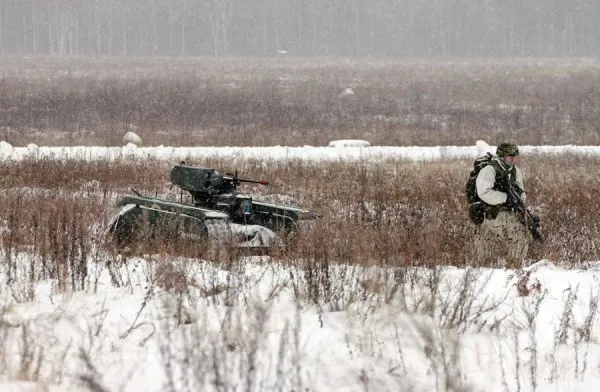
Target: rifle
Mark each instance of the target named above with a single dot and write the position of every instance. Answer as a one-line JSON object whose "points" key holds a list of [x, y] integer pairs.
{"points": [[532, 221]]}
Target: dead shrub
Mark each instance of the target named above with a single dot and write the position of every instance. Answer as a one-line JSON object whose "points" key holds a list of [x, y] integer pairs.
{"points": [[244, 103], [394, 213]]}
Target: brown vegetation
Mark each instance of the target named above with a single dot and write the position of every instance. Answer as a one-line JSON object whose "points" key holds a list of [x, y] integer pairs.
{"points": [[395, 213], [251, 102]]}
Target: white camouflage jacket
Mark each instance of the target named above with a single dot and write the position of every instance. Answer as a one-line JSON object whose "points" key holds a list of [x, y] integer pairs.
{"points": [[485, 184]]}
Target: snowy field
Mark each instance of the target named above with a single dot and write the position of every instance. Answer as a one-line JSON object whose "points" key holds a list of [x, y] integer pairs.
{"points": [[344, 150], [160, 323]]}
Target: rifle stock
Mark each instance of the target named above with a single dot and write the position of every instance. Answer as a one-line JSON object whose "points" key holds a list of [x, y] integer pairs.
{"points": [[532, 221]]}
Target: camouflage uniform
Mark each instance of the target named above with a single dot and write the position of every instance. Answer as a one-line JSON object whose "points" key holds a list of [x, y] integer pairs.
{"points": [[502, 235]]}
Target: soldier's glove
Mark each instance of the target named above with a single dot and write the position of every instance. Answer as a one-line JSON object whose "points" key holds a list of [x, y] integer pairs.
{"points": [[511, 203]]}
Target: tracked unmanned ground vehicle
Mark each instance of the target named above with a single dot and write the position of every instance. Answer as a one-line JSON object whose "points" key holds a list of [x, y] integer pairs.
{"points": [[217, 211]]}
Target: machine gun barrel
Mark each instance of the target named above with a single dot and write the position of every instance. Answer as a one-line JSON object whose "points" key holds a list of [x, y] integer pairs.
{"points": [[236, 180], [261, 182]]}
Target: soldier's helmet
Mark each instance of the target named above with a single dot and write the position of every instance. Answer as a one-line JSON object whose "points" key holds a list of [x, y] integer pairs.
{"points": [[507, 149]]}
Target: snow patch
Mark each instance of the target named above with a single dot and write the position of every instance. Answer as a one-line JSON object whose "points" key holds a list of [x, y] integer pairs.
{"points": [[541, 265], [6, 149], [347, 92], [32, 148], [349, 143], [132, 138], [254, 235]]}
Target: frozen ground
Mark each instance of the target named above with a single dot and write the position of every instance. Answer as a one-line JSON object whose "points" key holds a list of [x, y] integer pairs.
{"points": [[158, 323]]}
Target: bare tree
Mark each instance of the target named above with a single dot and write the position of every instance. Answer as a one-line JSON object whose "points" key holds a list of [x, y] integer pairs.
{"points": [[183, 16], [333, 27], [219, 14]]}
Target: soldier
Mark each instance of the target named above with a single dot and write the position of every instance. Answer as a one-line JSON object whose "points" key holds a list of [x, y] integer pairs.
{"points": [[502, 233]]}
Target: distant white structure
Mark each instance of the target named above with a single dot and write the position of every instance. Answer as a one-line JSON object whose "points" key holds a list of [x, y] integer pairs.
{"points": [[32, 148], [6, 149], [132, 137], [349, 143], [346, 92]]}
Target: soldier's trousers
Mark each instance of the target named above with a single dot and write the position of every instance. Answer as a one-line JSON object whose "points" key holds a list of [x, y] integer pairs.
{"points": [[503, 238]]}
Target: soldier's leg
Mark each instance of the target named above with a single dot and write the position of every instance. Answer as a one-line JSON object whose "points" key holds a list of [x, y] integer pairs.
{"points": [[518, 240], [487, 244]]}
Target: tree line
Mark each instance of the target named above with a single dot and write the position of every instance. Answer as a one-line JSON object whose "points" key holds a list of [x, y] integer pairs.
{"points": [[300, 27]]}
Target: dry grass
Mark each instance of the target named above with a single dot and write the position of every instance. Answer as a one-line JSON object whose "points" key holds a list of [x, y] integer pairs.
{"points": [[395, 213], [199, 101]]}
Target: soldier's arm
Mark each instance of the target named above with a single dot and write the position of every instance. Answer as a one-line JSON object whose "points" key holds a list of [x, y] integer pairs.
{"points": [[485, 184]]}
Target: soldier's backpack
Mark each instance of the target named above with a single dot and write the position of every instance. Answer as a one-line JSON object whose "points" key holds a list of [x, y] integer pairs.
{"points": [[476, 206]]}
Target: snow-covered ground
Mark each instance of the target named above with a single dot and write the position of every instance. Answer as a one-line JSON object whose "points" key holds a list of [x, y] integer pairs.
{"points": [[160, 323], [346, 150]]}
